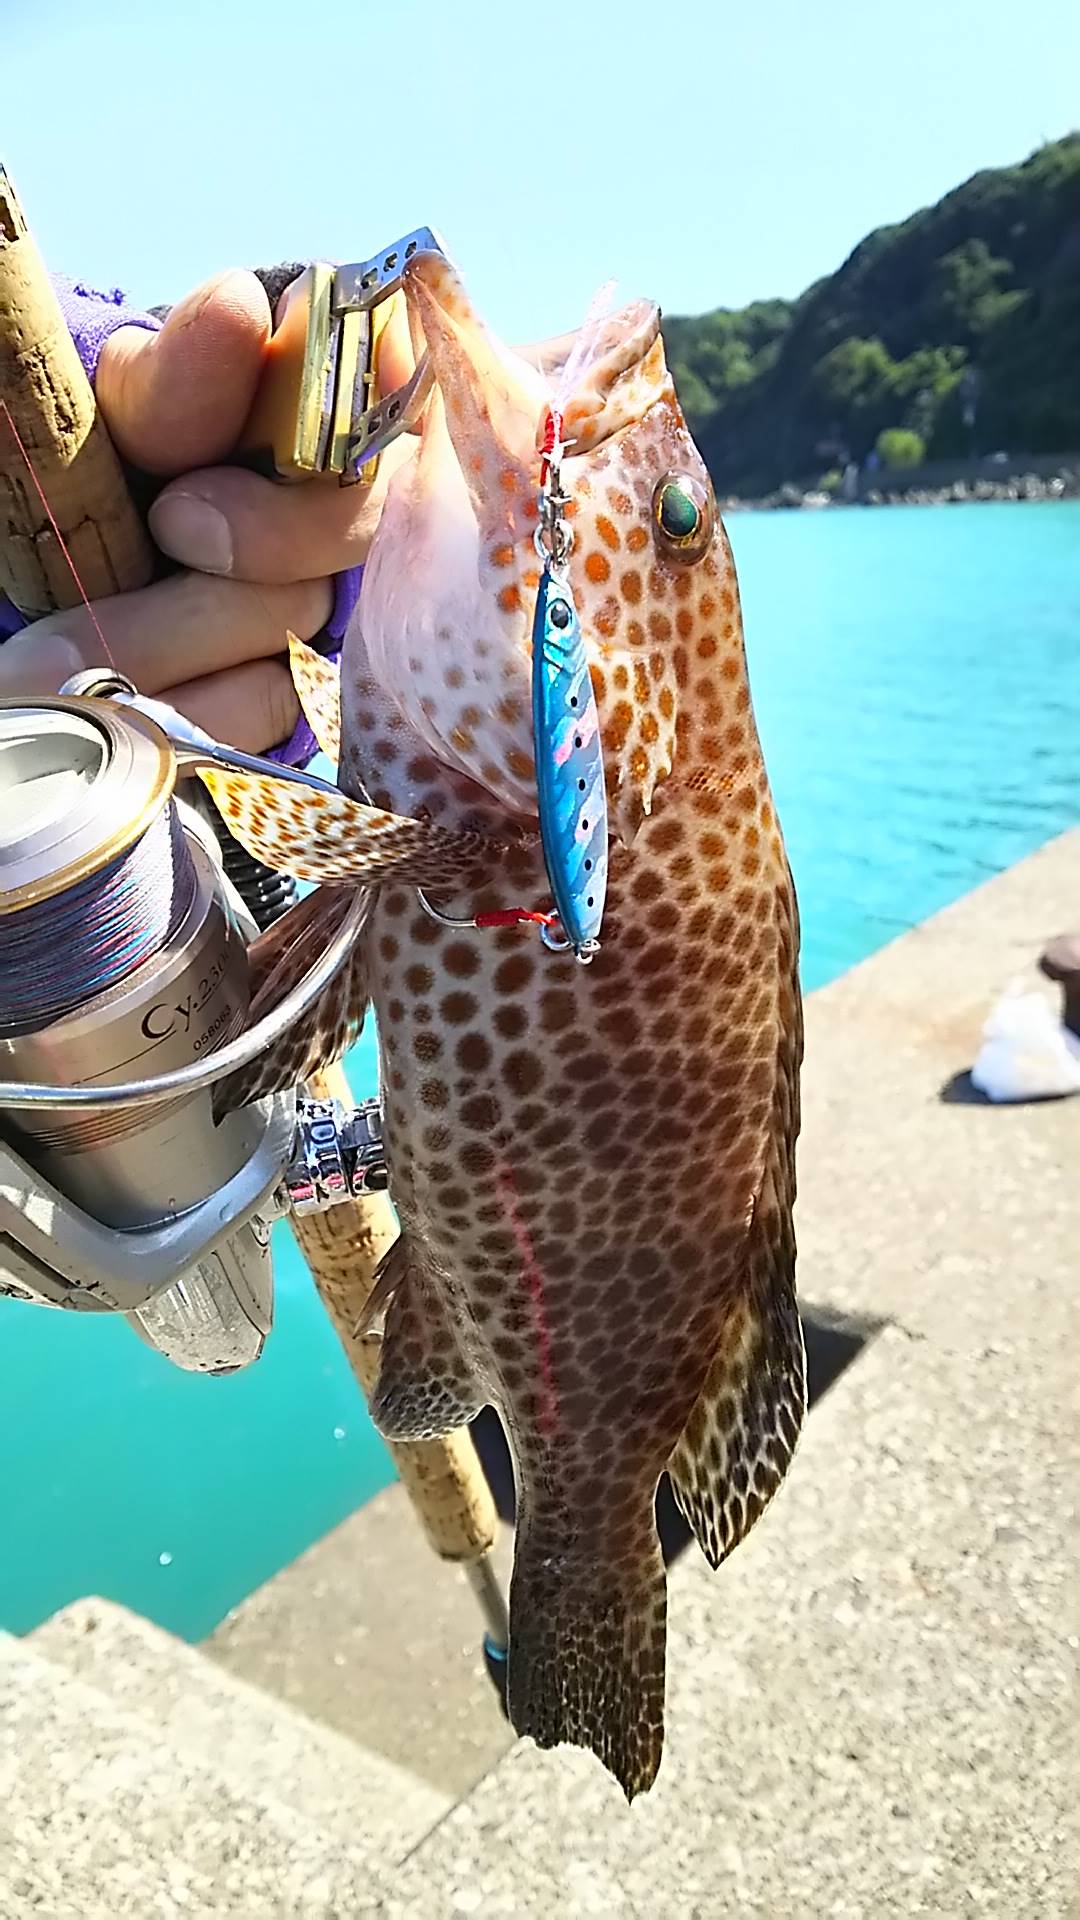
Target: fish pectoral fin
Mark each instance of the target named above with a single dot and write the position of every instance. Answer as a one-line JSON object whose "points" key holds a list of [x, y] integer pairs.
{"points": [[738, 1443], [425, 1387], [588, 1632], [324, 836], [318, 689], [331, 1024]]}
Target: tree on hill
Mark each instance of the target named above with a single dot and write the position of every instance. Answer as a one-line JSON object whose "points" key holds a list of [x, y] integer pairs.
{"points": [[974, 302]]}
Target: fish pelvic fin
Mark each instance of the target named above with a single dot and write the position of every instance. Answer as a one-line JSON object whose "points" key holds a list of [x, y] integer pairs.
{"points": [[277, 960], [323, 836], [588, 1639], [318, 689], [425, 1387]]}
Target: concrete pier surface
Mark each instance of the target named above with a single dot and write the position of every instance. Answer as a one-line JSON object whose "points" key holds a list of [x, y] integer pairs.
{"points": [[873, 1707]]}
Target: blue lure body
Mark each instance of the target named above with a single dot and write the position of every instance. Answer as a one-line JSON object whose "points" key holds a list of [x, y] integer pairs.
{"points": [[569, 766]]}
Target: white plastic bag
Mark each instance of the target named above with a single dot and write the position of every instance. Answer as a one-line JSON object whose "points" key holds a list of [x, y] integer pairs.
{"points": [[1026, 1052]]}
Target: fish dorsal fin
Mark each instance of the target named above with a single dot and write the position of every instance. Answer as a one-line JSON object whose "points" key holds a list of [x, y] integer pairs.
{"points": [[318, 689], [321, 835], [329, 1027]]}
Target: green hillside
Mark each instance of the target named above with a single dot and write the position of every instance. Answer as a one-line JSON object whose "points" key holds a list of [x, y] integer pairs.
{"points": [[969, 308]]}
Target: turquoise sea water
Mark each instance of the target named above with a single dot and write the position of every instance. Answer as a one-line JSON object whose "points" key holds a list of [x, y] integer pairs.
{"points": [[916, 674]]}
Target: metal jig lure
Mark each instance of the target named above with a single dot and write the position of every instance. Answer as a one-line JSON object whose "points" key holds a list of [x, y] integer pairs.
{"points": [[570, 787]]}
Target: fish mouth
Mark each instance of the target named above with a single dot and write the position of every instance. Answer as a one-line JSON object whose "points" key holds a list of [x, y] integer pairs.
{"points": [[449, 592], [590, 374]]}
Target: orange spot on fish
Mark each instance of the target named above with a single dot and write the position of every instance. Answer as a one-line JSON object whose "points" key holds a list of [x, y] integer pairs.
{"points": [[608, 532], [508, 480], [510, 600], [636, 539], [502, 556], [596, 567]]}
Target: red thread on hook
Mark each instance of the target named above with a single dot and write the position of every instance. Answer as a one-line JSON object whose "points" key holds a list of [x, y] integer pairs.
{"points": [[60, 541], [515, 917], [552, 433]]}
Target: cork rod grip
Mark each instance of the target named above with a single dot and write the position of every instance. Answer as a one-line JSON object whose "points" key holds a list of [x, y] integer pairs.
{"points": [[443, 1478], [51, 405]]}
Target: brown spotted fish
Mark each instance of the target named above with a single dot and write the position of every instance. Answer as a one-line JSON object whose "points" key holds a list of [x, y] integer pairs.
{"points": [[593, 1166]]}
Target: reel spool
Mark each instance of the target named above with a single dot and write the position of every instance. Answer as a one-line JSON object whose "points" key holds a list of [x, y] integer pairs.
{"points": [[122, 957]]}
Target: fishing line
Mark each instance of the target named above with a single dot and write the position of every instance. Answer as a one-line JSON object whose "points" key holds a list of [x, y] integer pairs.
{"points": [[61, 542], [61, 952]]}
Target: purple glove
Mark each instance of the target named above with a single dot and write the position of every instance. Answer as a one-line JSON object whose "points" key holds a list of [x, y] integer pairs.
{"points": [[91, 317]]}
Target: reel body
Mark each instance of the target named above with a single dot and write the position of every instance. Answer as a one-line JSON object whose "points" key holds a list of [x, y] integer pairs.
{"points": [[123, 958]]}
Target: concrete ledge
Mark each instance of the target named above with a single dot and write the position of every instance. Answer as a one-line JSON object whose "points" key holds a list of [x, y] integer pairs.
{"points": [[100, 1816], [266, 1750]]}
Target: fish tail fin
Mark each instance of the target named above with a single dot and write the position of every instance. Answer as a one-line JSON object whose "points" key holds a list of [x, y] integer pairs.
{"points": [[587, 1648]]}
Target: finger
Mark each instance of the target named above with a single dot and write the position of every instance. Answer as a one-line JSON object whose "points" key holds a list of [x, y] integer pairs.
{"points": [[252, 707], [227, 521], [179, 629], [178, 399], [395, 361]]}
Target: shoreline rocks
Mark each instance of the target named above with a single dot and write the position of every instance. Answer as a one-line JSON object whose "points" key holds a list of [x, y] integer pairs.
{"points": [[1063, 485]]}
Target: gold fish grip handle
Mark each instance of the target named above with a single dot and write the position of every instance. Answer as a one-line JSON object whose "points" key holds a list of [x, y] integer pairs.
{"points": [[308, 380], [318, 412]]}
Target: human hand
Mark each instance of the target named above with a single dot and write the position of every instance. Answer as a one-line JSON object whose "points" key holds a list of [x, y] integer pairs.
{"points": [[259, 557]]}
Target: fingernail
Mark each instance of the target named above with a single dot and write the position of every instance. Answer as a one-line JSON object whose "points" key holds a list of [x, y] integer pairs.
{"points": [[193, 532]]}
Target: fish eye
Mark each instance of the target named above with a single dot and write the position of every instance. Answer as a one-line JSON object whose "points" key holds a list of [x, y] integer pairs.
{"points": [[683, 515]]}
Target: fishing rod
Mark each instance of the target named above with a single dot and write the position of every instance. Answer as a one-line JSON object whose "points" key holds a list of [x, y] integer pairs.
{"points": [[126, 912]]}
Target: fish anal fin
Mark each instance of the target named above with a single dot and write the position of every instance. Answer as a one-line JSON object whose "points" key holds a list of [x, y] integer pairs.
{"points": [[331, 1024], [318, 689], [588, 1632], [737, 1444], [425, 1387]]}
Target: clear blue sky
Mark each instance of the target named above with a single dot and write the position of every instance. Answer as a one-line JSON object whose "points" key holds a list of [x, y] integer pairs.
{"points": [[702, 154]]}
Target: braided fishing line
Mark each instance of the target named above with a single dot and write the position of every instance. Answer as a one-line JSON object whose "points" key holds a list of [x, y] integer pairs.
{"points": [[58, 954], [61, 542]]}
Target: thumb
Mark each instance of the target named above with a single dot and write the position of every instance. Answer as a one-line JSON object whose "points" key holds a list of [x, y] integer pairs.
{"points": [[179, 398]]}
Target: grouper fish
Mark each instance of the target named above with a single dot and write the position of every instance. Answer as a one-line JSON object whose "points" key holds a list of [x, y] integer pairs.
{"points": [[593, 1165]]}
